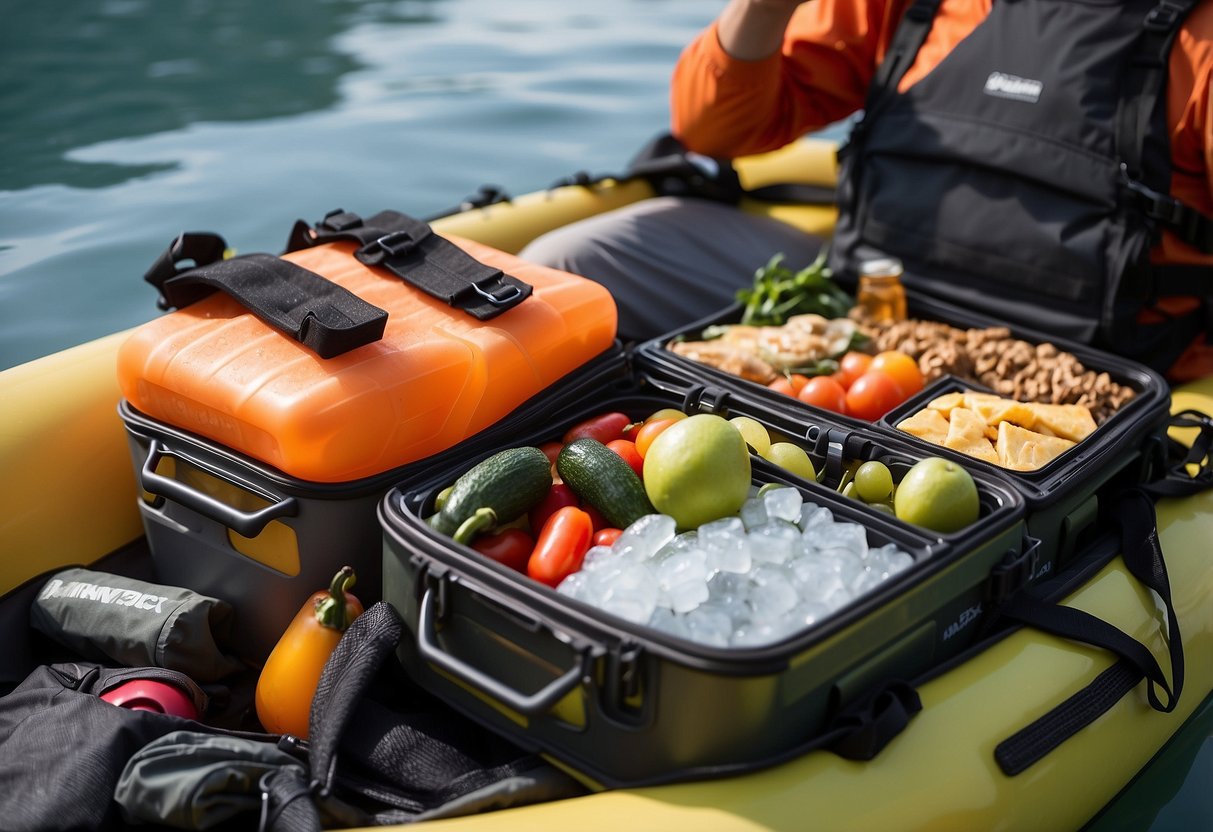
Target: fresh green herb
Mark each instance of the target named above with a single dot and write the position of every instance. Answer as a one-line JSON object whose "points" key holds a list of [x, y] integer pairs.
{"points": [[779, 293]]}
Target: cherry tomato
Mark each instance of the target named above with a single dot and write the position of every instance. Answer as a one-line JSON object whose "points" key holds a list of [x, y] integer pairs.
{"points": [[561, 546], [509, 547], [902, 368], [645, 436], [606, 537], [596, 519], [551, 450], [627, 449], [852, 366], [872, 395], [604, 427], [558, 496], [789, 384], [826, 393]]}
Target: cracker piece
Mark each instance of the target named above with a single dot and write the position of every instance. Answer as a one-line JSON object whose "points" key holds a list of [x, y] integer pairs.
{"points": [[967, 434], [1025, 450], [926, 424], [946, 402], [1071, 421]]}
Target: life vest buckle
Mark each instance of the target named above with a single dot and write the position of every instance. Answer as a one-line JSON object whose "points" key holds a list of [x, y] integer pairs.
{"points": [[1162, 18]]}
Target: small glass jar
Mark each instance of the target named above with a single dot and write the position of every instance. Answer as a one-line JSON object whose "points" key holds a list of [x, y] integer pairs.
{"points": [[881, 295]]}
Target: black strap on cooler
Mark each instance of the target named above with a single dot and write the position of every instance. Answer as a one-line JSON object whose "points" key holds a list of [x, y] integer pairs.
{"points": [[408, 248], [313, 310]]}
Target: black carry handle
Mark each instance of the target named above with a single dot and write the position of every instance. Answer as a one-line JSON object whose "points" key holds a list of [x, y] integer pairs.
{"points": [[313, 310], [1177, 480], [409, 249], [1134, 509]]}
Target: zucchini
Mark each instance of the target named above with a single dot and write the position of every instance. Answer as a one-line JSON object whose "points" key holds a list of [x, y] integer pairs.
{"points": [[600, 476], [509, 482]]}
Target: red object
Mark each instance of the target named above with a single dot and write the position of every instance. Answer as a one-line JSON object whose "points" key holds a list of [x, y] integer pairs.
{"points": [[627, 449], [558, 496], [510, 547], [603, 427], [824, 392], [607, 537], [561, 546], [872, 395], [152, 695]]}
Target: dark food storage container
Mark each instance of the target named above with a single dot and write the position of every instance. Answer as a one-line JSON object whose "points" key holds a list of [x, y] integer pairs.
{"points": [[1062, 499], [619, 703]]}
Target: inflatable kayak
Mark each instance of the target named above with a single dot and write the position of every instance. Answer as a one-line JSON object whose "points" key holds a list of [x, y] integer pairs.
{"points": [[69, 498]]}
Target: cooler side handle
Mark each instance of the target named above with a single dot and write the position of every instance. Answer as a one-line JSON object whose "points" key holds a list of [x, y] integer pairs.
{"points": [[249, 524], [528, 704]]}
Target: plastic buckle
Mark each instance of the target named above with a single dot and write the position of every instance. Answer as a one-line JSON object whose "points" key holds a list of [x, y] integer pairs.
{"points": [[340, 220], [1162, 17], [1156, 206], [1014, 572]]}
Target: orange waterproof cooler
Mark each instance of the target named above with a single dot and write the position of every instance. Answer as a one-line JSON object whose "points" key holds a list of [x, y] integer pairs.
{"points": [[285, 395]]}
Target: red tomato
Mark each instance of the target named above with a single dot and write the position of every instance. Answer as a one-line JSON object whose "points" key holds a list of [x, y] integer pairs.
{"points": [[604, 427], [902, 368], [509, 547], [558, 496], [551, 450], [561, 546], [852, 366], [872, 395], [627, 449], [649, 432], [789, 385], [596, 519], [826, 393], [606, 537]]}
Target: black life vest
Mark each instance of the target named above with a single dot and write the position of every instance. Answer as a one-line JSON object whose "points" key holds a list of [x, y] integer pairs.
{"points": [[1027, 175]]}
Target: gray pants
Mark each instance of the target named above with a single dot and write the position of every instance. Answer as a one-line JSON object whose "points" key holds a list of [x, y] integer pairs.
{"points": [[671, 261]]}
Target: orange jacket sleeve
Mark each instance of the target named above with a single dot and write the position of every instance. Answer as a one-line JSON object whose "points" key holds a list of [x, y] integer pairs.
{"points": [[722, 106]]}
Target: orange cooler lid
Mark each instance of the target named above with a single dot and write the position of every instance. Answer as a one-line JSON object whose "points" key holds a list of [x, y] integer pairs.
{"points": [[437, 376]]}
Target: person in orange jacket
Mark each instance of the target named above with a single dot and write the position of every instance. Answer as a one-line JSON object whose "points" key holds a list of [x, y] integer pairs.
{"points": [[972, 116]]}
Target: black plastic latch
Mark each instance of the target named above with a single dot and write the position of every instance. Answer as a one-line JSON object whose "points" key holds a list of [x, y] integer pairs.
{"points": [[1014, 572], [1163, 17]]}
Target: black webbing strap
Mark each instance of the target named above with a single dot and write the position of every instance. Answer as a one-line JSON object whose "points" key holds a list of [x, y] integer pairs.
{"points": [[907, 40], [408, 248], [313, 310], [1144, 85], [1178, 480], [1142, 554]]}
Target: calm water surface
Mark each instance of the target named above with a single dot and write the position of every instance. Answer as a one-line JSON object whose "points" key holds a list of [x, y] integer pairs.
{"points": [[125, 122]]}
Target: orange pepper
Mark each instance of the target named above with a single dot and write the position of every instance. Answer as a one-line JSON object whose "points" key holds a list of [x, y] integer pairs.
{"points": [[289, 678]]}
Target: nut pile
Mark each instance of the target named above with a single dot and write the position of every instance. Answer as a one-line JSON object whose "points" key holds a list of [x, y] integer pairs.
{"points": [[1010, 367]]}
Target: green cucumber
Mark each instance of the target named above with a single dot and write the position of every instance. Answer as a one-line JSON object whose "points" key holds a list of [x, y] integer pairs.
{"points": [[600, 476], [509, 482]]}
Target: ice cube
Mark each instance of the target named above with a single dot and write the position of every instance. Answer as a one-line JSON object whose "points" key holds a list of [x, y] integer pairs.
{"points": [[753, 513], [644, 538], [597, 557], [843, 536], [774, 542], [631, 593], [665, 621], [784, 503], [811, 514], [686, 596], [709, 626], [725, 543]]}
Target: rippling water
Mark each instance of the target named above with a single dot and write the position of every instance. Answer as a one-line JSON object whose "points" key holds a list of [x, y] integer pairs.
{"points": [[124, 122]]}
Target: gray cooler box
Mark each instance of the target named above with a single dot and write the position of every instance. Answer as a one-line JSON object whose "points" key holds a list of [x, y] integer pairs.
{"points": [[619, 703]]}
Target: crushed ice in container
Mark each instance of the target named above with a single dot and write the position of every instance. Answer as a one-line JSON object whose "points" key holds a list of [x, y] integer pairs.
{"points": [[733, 584]]}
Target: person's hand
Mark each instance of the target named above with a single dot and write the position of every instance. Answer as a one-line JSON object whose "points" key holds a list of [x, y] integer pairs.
{"points": [[751, 30]]}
